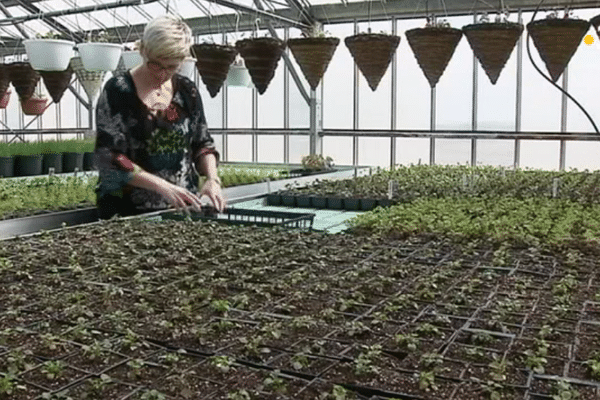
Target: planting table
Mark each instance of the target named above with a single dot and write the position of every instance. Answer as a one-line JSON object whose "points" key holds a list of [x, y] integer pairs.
{"points": [[31, 225]]}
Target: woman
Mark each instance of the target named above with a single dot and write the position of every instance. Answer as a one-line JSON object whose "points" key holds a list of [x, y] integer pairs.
{"points": [[152, 140]]}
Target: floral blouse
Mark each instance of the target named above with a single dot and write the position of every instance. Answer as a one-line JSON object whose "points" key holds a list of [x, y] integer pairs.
{"points": [[167, 144]]}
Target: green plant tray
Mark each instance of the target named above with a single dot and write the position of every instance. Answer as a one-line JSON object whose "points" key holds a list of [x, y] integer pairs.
{"points": [[240, 216]]}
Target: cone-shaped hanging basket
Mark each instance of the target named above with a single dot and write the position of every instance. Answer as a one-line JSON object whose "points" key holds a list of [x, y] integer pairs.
{"points": [[261, 56], [56, 82], [313, 55], [372, 53], [90, 80], [557, 40], [493, 44], [596, 23], [24, 78], [212, 62], [433, 48], [4, 78]]}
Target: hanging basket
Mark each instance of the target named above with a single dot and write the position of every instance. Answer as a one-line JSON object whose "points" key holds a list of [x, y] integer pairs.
{"points": [[372, 53], [4, 78], [49, 54], [131, 59], [433, 48], [596, 24], [90, 80], [56, 82], [238, 75], [557, 40], [213, 61], [98, 56], [492, 44], [187, 68], [313, 55], [261, 56], [24, 79], [34, 106], [5, 99]]}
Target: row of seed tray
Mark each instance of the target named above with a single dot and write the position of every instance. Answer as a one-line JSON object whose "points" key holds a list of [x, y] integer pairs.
{"points": [[422, 318]]}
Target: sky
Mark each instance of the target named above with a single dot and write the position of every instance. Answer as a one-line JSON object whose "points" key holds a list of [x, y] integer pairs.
{"points": [[541, 106]]}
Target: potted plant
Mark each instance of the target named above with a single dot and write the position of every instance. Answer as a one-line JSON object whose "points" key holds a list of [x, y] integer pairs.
{"points": [[74, 152], [52, 157], [7, 161], [261, 56], [433, 47], [35, 105], [557, 39], [372, 53], [313, 52], [213, 62], [28, 159], [493, 42], [312, 164], [48, 52], [90, 80], [98, 54]]}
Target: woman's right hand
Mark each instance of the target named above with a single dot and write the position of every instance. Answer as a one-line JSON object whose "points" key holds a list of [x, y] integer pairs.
{"points": [[180, 198]]}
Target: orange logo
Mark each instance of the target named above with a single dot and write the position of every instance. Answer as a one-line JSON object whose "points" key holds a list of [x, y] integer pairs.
{"points": [[588, 39]]}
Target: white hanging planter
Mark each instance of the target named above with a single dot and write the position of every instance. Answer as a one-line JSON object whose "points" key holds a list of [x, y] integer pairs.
{"points": [[90, 80], [238, 75], [49, 54], [131, 59], [187, 68], [100, 56]]}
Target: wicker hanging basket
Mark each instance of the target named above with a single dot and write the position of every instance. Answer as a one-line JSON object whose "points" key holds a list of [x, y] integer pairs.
{"points": [[4, 78], [313, 55], [56, 82], [24, 78], [213, 62], [90, 80], [492, 44], [261, 56], [557, 40], [372, 53], [433, 48], [596, 24]]}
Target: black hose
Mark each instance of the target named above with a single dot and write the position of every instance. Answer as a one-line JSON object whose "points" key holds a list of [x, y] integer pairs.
{"points": [[550, 80]]}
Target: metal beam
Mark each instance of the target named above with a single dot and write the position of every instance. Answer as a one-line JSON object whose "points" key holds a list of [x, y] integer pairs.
{"points": [[262, 13], [79, 10]]}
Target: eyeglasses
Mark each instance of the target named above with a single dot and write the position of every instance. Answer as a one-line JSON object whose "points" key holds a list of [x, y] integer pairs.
{"points": [[155, 66]]}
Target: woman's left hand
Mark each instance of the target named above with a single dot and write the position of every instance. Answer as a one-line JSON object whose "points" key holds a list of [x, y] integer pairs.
{"points": [[212, 189]]}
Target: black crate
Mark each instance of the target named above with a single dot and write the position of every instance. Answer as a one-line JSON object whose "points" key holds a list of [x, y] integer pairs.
{"points": [[241, 216]]}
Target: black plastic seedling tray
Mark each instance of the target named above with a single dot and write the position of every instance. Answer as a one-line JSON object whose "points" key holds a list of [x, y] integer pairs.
{"points": [[241, 216]]}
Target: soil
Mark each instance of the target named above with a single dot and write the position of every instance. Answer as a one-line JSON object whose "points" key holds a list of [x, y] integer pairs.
{"points": [[268, 298]]}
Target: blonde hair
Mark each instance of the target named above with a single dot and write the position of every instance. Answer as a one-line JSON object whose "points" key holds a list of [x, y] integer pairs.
{"points": [[166, 37]]}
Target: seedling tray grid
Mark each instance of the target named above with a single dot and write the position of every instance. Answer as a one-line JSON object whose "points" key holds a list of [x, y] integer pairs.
{"points": [[176, 311], [241, 216]]}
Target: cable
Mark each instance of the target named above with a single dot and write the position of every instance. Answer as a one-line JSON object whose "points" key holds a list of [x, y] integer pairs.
{"points": [[550, 80]]}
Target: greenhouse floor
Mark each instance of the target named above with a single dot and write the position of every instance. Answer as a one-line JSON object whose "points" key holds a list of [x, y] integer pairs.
{"points": [[330, 221]]}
